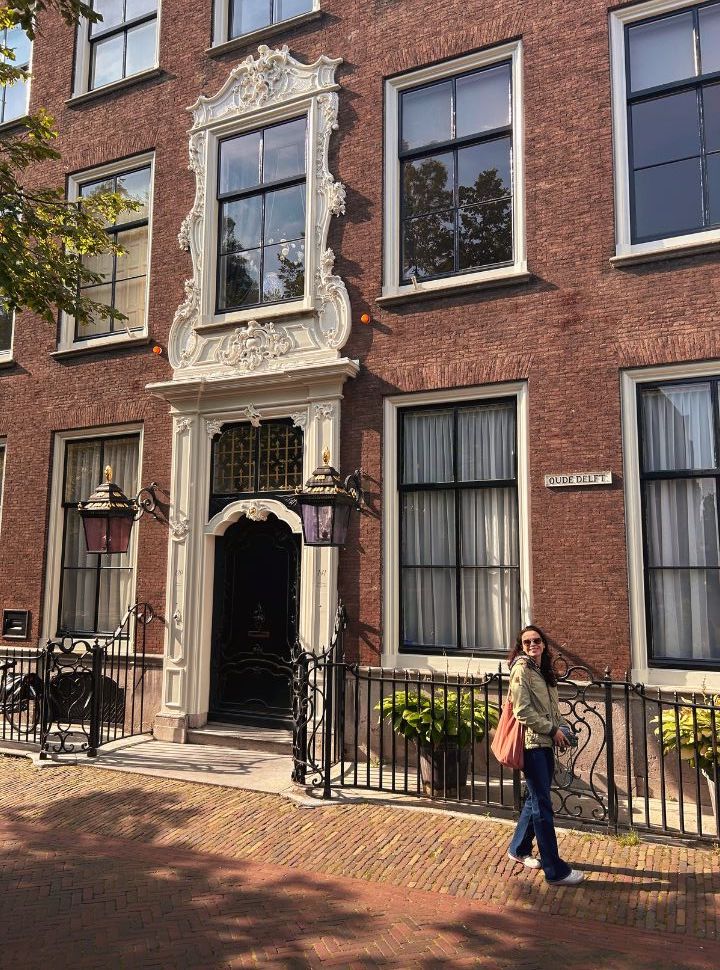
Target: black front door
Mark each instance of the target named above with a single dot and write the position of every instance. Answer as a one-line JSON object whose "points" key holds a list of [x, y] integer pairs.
{"points": [[255, 615]]}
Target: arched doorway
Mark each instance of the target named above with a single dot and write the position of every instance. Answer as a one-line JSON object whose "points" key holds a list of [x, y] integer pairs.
{"points": [[254, 623]]}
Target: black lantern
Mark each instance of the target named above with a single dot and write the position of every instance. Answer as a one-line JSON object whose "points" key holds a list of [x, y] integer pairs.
{"points": [[108, 516], [325, 504]]}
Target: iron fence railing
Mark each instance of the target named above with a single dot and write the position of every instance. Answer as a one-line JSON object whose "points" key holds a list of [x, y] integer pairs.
{"points": [[646, 760]]}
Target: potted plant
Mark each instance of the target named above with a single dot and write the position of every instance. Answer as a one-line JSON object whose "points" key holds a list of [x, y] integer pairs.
{"points": [[443, 723], [692, 732]]}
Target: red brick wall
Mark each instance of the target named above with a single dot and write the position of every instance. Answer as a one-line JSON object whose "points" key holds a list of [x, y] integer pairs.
{"points": [[568, 331]]}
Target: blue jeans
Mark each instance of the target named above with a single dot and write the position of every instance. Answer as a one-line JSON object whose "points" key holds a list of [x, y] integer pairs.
{"points": [[536, 817]]}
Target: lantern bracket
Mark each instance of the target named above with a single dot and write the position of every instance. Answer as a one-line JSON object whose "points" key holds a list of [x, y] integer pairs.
{"points": [[146, 501], [353, 486]]}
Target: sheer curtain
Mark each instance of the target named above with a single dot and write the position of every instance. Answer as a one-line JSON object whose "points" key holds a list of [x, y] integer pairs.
{"points": [[94, 600], [486, 564], [681, 527]]}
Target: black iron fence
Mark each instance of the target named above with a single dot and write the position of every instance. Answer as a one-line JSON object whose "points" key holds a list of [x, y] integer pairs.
{"points": [[646, 760], [76, 695]]}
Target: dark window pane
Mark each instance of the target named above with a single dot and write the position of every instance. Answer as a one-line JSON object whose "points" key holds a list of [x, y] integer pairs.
{"points": [[234, 460], [281, 457], [429, 608], [426, 116], [677, 427], [713, 178], [6, 328], [285, 214], [107, 61], [485, 233], [484, 172], [483, 101], [711, 117], [239, 280], [285, 9], [427, 447], [661, 51], [428, 183], [249, 15], [681, 523], [284, 152], [685, 610], [82, 469], [240, 224], [140, 48], [665, 129], [427, 245], [428, 528], [240, 162], [668, 199], [283, 272], [111, 12], [710, 38]]}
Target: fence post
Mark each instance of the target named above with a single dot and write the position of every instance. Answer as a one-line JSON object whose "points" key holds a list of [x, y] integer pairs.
{"points": [[610, 754], [95, 700], [45, 700], [329, 684], [300, 708]]}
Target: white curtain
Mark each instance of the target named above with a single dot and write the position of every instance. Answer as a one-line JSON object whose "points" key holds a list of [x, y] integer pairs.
{"points": [[681, 527], [486, 565], [83, 586]]}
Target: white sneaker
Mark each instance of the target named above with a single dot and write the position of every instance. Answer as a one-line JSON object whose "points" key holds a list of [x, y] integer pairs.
{"points": [[530, 862], [572, 879]]}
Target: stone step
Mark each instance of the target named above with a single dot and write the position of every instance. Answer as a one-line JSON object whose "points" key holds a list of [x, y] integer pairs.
{"points": [[244, 737]]}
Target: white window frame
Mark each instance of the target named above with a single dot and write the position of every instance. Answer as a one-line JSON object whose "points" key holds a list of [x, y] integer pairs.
{"points": [[625, 250], [641, 670], [6, 356], [517, 272], [3, 448], [12, 121], [81, 76], [221, 25], [67, 341], [392, 657], [56, 518]]}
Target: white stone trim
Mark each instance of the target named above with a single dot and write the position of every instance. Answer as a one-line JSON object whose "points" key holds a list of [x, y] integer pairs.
{"points": [[259, 91], [517, 272], [67, 339], [392, 657], [625, 250], [53, 570], [3, 449], [81, 73], [6, 356], [221, 24], [641, 670]]}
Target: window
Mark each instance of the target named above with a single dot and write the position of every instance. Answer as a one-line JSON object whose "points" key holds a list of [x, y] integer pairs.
{"points": [[453, 174], [95, 591], [124, 283], [262, 201], [679, 437], [120, 45], [6, 332], [248, 460], [667, 119], [247, 16], [2, 475], [14, 97], [458, 527]]}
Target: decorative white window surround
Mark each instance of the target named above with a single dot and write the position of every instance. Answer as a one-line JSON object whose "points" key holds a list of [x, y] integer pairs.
{"points": [[391, 655], [221, 26], [6, 355], [56, 518], [81, 74], [3, 472], [641, 671], [67, 341], [626, 251], [509, 275], [269, 88]]}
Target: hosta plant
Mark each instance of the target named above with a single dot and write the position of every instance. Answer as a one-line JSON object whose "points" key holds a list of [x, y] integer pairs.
{"points": [[438, 717], [692, 732]]}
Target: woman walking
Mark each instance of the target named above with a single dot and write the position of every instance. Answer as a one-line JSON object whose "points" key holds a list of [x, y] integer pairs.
{"points": [[534, 696]]}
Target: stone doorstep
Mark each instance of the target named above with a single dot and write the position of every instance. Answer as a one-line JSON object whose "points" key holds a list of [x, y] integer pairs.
{"points": [[242, 737]]}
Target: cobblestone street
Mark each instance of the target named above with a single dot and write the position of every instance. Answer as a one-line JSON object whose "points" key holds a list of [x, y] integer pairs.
{"points": [[105, 869]]}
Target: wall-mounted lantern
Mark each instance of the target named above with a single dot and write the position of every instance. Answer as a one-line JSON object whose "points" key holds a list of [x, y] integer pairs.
{"points": [[108, 515], [326, 502]]}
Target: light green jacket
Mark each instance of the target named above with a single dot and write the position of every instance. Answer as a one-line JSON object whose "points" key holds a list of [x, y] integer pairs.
{"points": [[535, 704]]}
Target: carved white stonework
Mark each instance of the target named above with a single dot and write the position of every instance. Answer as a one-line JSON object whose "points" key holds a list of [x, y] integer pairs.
{"points": [[252, 414], [182, 426], [299, 419], [250, 347], [177, 617], [305, 332], [325, 409], [213, 427], [179, 529], [258, 513]]}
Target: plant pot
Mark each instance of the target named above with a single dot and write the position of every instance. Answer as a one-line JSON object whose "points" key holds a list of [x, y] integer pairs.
{"points": [[444, 769], [713, 795]]}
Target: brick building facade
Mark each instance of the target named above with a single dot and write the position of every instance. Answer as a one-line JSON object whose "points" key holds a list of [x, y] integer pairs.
{"points": [[529, 221]]}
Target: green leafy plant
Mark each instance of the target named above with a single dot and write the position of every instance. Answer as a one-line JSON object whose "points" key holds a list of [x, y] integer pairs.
{"points": [[692, 733], [438, 717]]}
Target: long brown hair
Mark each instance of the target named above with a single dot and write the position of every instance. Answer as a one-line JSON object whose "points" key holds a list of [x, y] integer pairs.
{"points": [[546, 660]]}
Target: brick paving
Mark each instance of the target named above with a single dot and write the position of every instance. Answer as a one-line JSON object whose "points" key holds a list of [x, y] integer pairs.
{"points": [[109, 869]]}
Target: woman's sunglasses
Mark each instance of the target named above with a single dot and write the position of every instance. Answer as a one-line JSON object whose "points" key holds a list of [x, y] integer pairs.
{"points": [[535, 642]]}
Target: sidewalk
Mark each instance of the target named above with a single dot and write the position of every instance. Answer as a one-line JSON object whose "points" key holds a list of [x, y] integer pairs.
{"points": [[131, 870]]}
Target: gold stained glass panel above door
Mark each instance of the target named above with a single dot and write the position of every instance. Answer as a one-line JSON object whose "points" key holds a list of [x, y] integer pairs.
{"points": [[247, 460]]}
